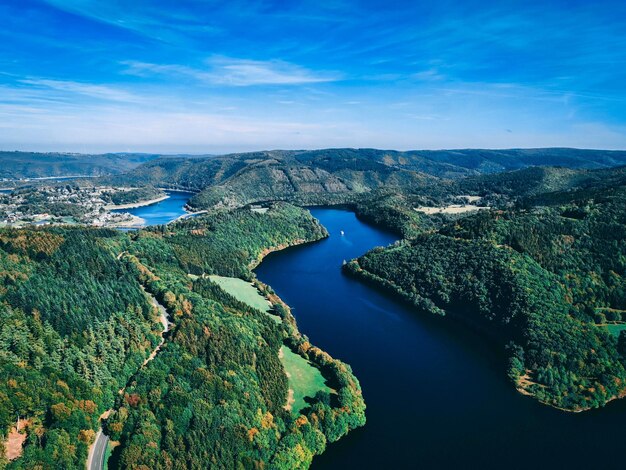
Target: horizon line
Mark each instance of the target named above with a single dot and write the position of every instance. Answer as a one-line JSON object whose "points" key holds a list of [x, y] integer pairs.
{"points": [[220, 154]]}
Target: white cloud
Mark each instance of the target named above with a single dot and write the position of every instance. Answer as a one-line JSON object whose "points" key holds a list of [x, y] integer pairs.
{"points": [[227, 71]]}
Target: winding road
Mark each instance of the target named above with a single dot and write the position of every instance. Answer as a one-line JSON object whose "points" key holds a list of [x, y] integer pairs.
{"points": [[97, 450], [95, 460]]}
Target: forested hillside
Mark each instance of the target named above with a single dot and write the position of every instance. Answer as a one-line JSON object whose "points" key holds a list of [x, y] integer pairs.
{"points": [[547, 279], [542, 270], [541, 180], [333, 176], [215, 396], [77, 326]]}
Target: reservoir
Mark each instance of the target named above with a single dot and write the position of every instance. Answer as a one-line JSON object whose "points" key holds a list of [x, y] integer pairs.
{"points": [[437, 394], [164, 211]]}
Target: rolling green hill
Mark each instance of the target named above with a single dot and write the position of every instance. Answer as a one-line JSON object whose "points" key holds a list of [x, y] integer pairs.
{"points": [[538, 180], [543, 271]]}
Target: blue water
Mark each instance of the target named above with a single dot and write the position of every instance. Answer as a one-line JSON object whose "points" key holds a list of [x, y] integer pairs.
{"points": [[164, 211], [436, 393]]}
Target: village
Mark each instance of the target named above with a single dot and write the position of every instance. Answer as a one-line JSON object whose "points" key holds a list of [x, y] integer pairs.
{"points": [[69, 204]]}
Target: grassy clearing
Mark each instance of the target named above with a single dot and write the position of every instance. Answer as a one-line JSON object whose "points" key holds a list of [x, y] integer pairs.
{"points": [[305, 380], [245, 292], [616, 328]]}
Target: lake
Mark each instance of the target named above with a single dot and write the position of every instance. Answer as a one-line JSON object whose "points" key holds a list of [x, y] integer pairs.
{"points": [[164, 211], [437, 394]]}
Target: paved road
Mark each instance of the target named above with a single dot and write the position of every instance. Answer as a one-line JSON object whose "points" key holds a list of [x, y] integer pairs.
{"points": [[96, 455]]}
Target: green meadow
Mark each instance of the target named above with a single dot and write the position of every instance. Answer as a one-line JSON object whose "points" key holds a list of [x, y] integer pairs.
{"points": [[304, 379], [242, 291], [245, 292], [616, 328]]}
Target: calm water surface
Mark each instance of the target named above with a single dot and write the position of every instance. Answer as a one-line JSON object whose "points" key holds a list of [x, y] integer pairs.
{"points": [[436, 393], [164, 211]]}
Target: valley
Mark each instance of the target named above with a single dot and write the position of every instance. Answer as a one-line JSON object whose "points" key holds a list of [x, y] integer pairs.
{"points": [[509, 287], [291, 235]]}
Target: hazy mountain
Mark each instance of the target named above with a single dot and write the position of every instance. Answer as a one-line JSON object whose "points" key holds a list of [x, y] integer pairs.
{"points": [[18, 165]]}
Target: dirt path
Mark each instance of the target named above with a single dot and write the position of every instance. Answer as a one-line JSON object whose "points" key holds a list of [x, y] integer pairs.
{"points": [[166, 326]]}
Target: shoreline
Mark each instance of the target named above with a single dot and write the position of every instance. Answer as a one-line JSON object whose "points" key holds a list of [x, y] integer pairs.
{"points": [[385, 286], [179, 190], [137, 222], [332, 369], [134, 205], [187, 215], [298, 242]]}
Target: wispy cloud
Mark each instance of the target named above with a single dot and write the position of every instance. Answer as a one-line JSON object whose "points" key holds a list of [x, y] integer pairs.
{"points": [[102, 92], [420, 74], [229, 71], [143, 17], [239, 72]]}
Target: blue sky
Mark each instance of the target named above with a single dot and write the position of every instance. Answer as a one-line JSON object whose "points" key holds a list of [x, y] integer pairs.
{"points": [[219, 76]]}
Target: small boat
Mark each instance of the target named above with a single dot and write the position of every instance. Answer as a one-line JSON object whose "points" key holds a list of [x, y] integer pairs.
{"points": [[341, 231]]}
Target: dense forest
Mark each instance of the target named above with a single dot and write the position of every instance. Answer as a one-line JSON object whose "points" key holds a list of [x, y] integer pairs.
{"points": [[77, 326], [544, 275], [228, 242], [132, 196]]}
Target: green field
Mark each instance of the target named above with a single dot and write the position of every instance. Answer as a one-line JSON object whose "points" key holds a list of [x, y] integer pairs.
{"points": [[304, 379], [616, 328], [244, 292]]}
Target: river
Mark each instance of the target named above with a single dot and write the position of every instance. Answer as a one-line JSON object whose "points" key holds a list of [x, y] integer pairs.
{"points": [[437, 394]]}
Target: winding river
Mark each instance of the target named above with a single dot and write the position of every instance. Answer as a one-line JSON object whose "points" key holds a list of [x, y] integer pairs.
{"points": [[437, 395]]}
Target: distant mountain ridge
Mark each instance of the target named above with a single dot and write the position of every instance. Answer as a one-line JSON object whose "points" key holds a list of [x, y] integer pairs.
{"points": [[494, 161], [441, 163], [323, 176], [20, 165], [531, 181], [343, 175]]}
